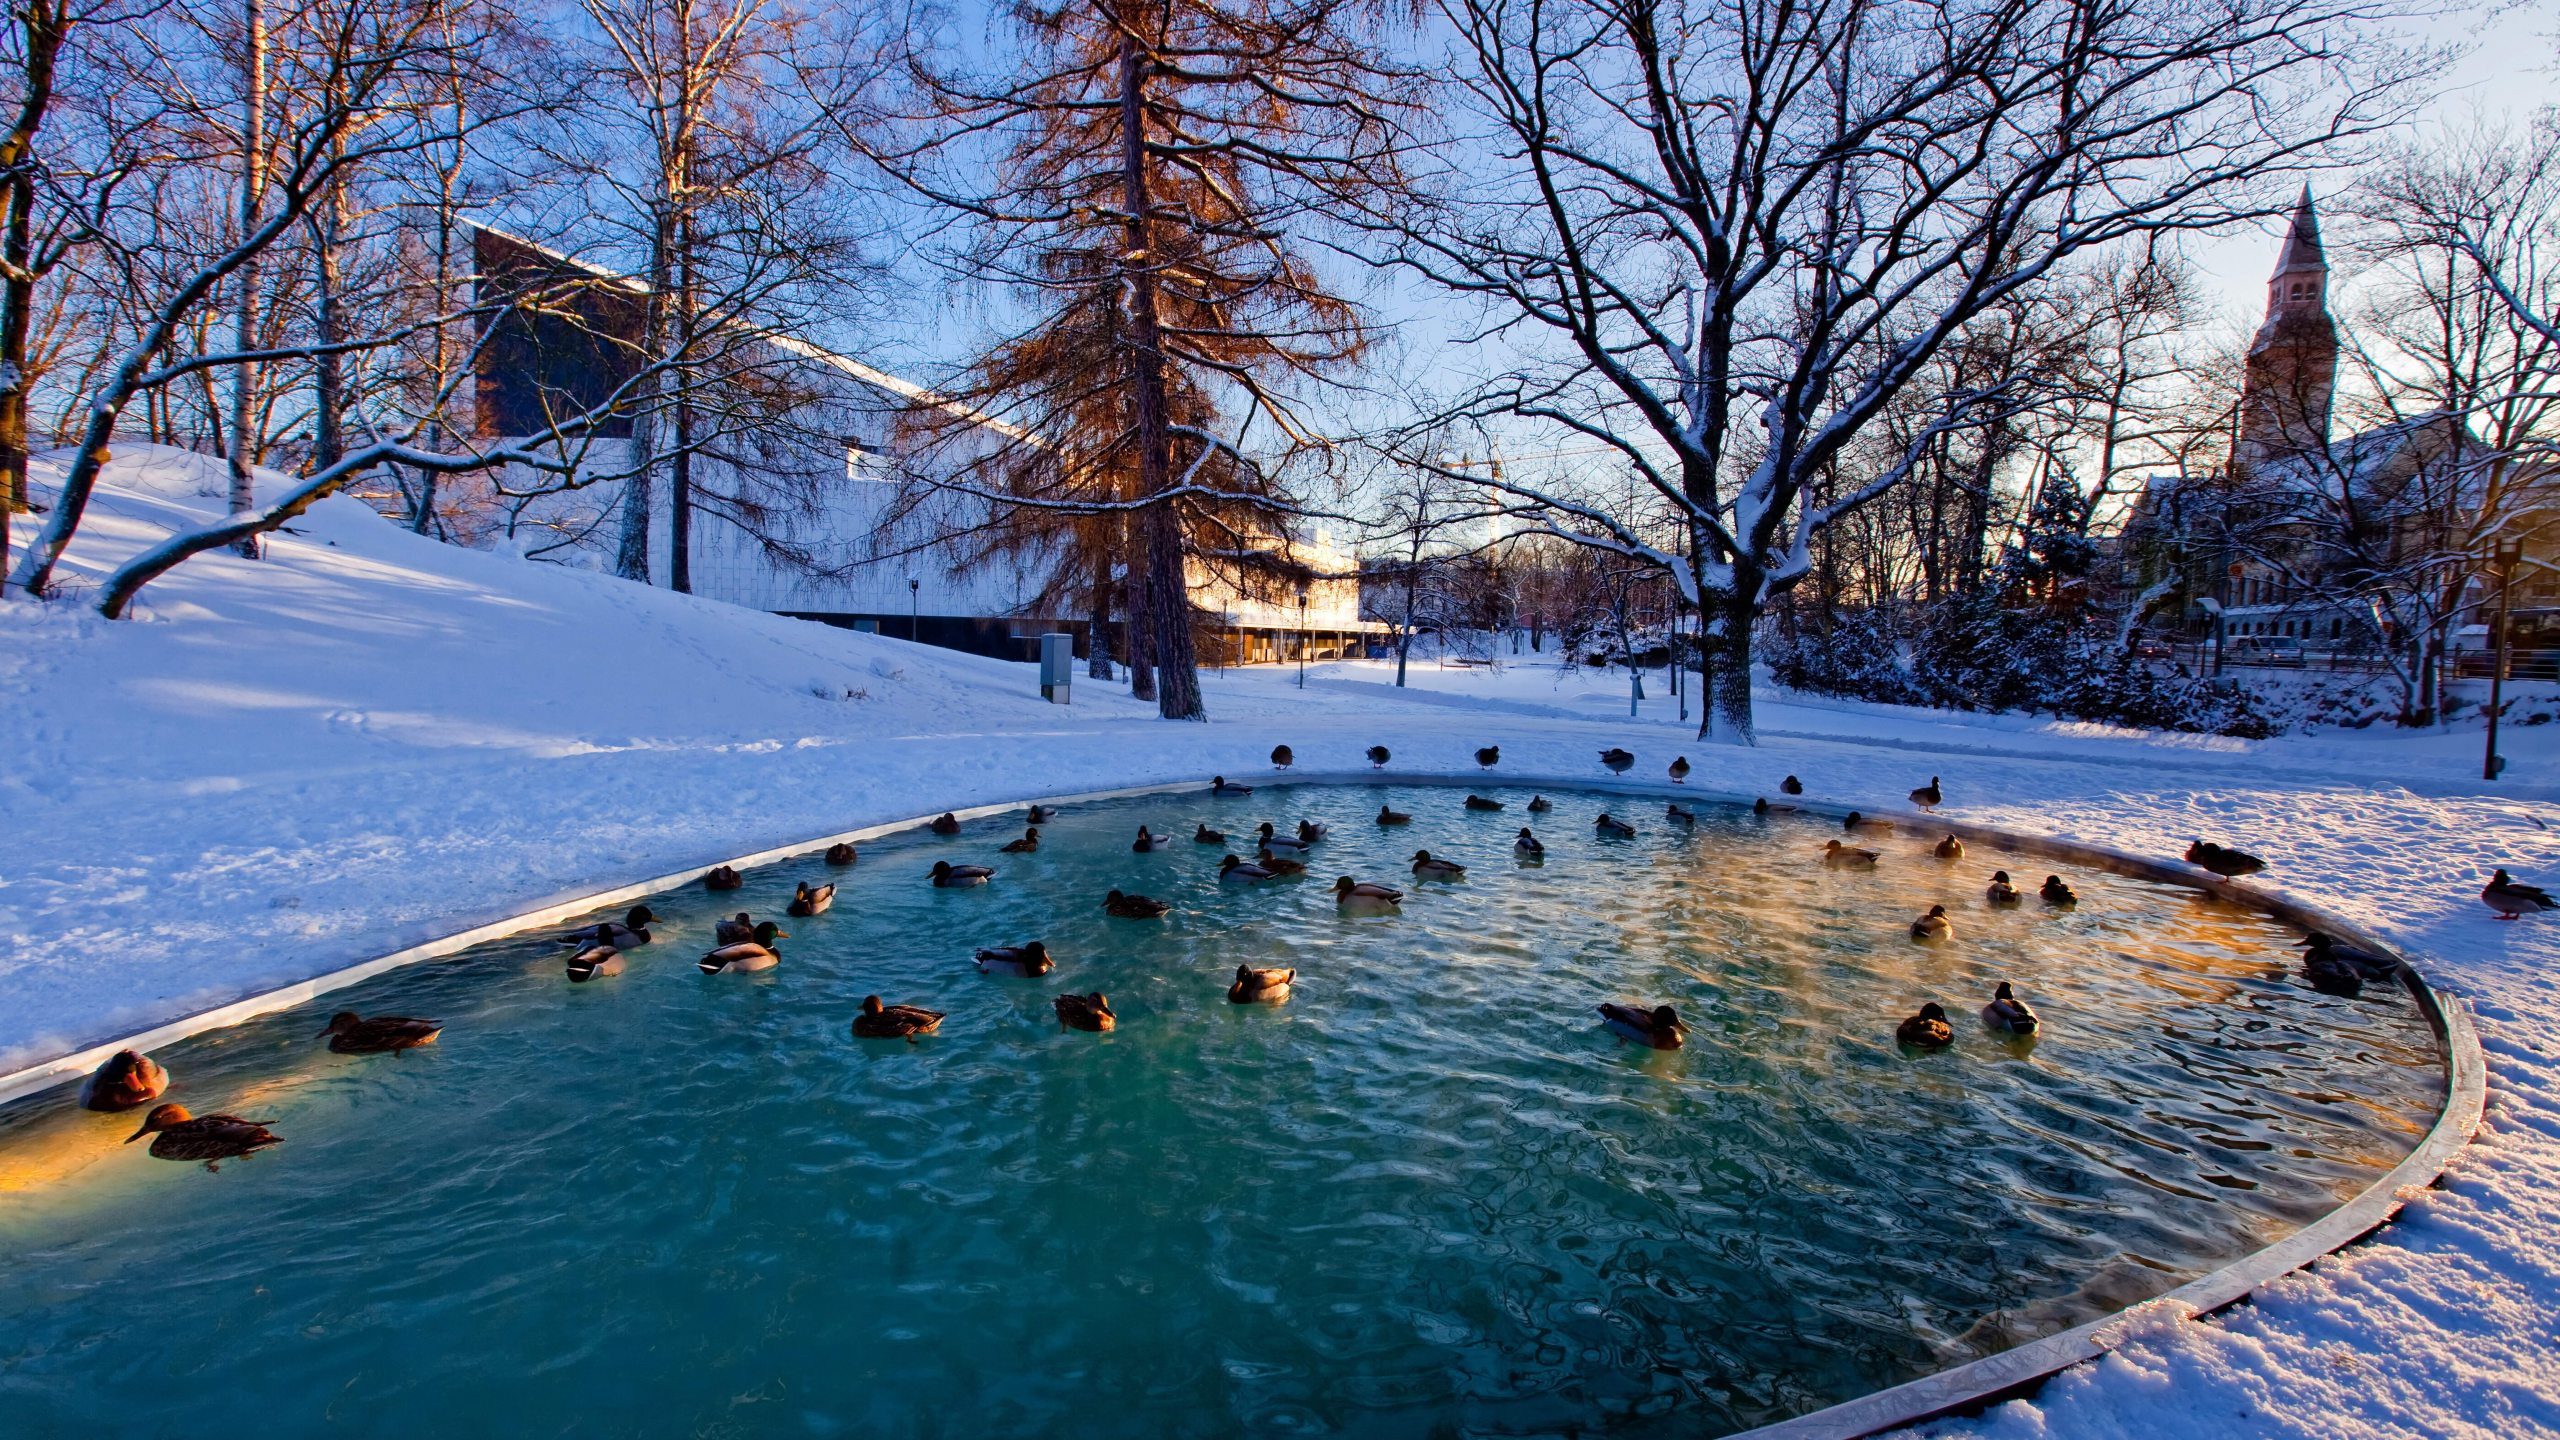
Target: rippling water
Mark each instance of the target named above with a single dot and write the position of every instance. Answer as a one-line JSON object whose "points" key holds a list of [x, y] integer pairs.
{"points": [[1427, 1196]]}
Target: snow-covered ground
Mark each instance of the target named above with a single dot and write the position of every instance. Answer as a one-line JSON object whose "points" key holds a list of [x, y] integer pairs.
{"points": [[368, 739]]}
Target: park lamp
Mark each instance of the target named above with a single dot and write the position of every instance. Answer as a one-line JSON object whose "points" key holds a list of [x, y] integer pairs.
{"points": [[1302, 639]]}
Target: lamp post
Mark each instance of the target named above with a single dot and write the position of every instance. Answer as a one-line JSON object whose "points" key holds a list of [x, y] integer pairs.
{"points": [[1302, 639], [2502, 563], [915, 606]]}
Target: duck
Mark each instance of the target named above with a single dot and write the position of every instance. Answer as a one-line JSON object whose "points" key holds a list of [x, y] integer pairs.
{"points": [[1934, 926], [209, 1138], [841, 853], [1607, 825], [1084, 1012], [1528, 844], [754, 953], [807, 901], [2228, 863], [1379, 755], [1540, 804], [1221, 785], [594, 962], [1927, 796], [1617, 759], [1857, 823], [1282, 757], [948, 876], [1950, 848], [1659, 1027], [1927, 1030], [2001, 891], [1041, 815], [1347, 891], [1678, 816], [1393, 817], [734, 932], [1029, 843], [128, 1079], [352, 1034], [1309, 832], [629, 932], [2008, 1014], [722, 878], [946, 824], [893, 1022], [1134, 907], [2511, 898], [1148, 842], [2056, 892], [1206, 836], [1027, 961], [2366, 963], [2331, 975], [1430, 869], [1274, 840], [1489, 756], [1679, 769], [1791, 786], [1238, 872], [1280, 866], [1478, 802], [1848, 857], [1260, 987], [1762, 806]]}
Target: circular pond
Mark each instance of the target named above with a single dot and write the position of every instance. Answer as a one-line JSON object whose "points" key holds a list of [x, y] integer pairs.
{"points": [[1430, 1194]]}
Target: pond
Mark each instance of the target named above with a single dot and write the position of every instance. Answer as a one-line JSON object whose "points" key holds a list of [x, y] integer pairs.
{"points": [[1429, 1194]]}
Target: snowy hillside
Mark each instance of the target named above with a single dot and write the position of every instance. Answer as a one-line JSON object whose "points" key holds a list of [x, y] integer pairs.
{"points": [[369, 739]]}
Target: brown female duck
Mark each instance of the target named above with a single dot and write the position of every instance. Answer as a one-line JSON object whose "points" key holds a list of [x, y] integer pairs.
{"points": [[352, 1034], [893, 1022], [209, 1138]]}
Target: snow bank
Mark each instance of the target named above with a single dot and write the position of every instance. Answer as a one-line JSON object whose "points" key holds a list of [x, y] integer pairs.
{"points": [[368, 739]]}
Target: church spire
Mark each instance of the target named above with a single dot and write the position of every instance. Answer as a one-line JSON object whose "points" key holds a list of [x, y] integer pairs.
{"points": [[2293, 361], [2301, 282]]}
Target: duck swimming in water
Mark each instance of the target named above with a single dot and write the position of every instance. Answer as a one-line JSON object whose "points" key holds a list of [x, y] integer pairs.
{"points": [[1762, 806], [722, 878], [2331, 975], [1260, 987], [1678, 816], [352, 1034], [1393, 817], [1028, 844], [1927, 1030], [1206, 836], [127, 1080], [807, 900], [945, 824], [1609, 826], [1134, 907], [1659, 1027], [2001, 891], [1220, 785], [1540, 804], [210, 1138], [1309, 832], [1026, 962], [1272, 839], [1148, 842], [594, 962], [2055, 892], [1528, 844], [1934, 926], [1848, 857], [630, 932], [893, 1022], [748, 955], [1236, 871], [1858, 824], [1085, 1012], [2511, 898], [1950, 848], [2008, 1014], [1479, 802], [2367, 964], [1430, 869], [1041, 815], [734, 931], [1279, 865], [841, 853], [1359, 894], [948, 876]]}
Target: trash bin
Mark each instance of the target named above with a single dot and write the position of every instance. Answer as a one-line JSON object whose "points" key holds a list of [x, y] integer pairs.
{"points": [[1057, 668]]}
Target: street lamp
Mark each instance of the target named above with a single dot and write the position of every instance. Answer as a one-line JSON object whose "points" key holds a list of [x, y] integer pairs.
{"points": [[1302, 639], [915, 606], [2503, 562]]}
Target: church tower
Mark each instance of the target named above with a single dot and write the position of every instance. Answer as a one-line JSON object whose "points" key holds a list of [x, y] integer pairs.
{"points": [[2293, 361]]}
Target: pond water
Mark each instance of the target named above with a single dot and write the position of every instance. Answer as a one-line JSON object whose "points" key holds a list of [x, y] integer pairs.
{"points": [[1429, 1195]]}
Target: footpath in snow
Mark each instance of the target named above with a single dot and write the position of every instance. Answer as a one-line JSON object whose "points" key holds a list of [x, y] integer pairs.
{"points": [[368, 739]]}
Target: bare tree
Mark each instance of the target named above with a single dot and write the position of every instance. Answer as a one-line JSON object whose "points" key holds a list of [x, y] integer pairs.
{"points": [[1727, 234]]}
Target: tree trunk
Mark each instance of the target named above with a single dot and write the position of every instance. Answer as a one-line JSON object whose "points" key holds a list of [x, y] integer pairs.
{"points": [[1142, 631], [329, 397], [1177, 687], [1724, 710], [680, 472], [253, 146], [44, 29], [1097, 649]]}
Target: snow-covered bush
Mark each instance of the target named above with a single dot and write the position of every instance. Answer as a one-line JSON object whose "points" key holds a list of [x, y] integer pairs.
{"points": [[1974, 654]]}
